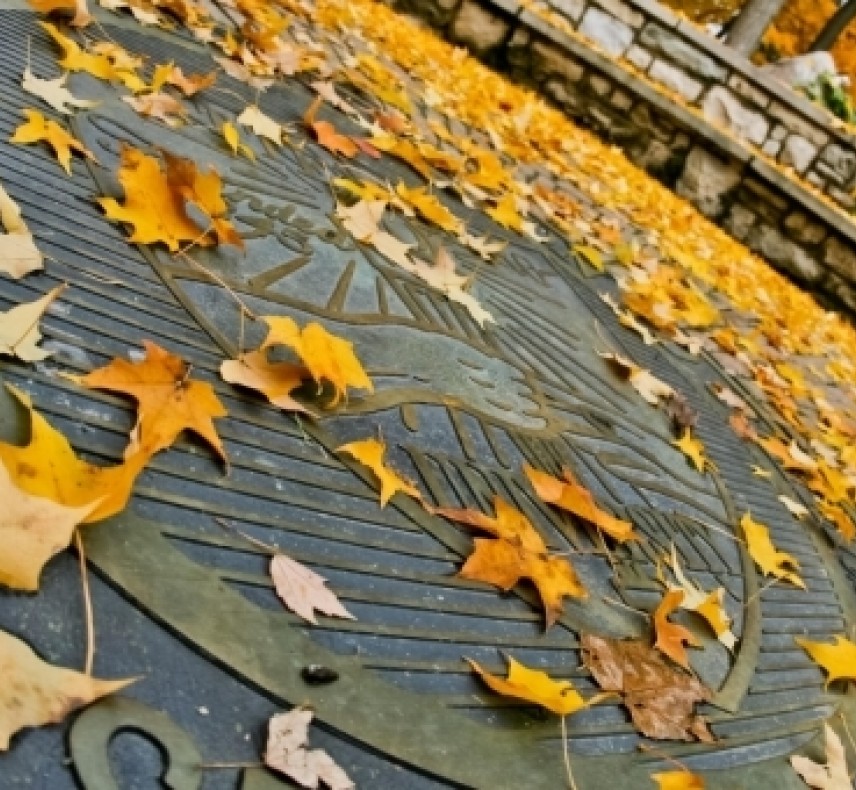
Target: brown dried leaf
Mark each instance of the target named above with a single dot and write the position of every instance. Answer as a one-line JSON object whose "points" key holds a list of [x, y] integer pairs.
{"points": [[661, 699]]}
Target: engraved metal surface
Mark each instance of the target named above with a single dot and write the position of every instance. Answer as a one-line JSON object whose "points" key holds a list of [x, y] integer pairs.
{"points": [[461, 409]]}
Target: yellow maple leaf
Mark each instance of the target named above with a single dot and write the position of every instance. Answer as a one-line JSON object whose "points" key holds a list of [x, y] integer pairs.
{"points": [[506, 214], [707, 605], [370, 452], [590, 255], [37, 128], [532, 685], [233, 140], [327, 357], [693, 449], [155, 201], [75, 59], [771, 561], [80, 13], [837, 659], [838, 516], [429, 207], [47, 467], [678, 780]]}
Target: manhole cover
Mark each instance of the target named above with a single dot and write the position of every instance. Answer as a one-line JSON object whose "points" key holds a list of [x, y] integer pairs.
{"points": [[461, 409]]}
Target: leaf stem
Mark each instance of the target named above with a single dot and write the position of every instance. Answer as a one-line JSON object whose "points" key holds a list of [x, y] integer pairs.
{"points": [[89, 661], [567, 755]]}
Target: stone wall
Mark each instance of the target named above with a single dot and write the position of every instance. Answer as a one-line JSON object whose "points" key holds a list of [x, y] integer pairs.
{"points": [[690, 111]]}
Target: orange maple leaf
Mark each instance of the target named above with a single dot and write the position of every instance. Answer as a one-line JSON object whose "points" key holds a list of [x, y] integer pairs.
{"points": [[518, 552], [670, 636], [168, 400], [569, 495], [326, 134]]}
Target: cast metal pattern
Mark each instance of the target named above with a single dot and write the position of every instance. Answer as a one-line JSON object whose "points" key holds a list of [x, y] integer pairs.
{"points": [[461, 409]]}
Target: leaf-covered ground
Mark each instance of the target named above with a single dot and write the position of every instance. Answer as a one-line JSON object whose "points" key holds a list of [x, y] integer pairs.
{"points": [[500, 149]]}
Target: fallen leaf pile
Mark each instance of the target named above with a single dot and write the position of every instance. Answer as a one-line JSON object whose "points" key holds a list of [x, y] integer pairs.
{"points": [[678, 280]]}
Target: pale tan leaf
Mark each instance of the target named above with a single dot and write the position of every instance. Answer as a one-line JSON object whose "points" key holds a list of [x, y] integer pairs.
{"points": [[32, 530], [19, 328], [833, 775], [303, 591], [18, 252], [34, 693], [262, 125], [288, 734], [54, 92]]}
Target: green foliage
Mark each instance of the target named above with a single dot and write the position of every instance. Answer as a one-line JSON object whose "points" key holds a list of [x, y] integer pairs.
{"points": [[828, 92]]}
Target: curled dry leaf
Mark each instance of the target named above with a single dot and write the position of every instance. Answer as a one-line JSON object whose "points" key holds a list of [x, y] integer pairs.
{"points": [[838, 516], [532, 685], [190, 84], [54, 92], [678, 780], [19, 328], [707, 605], [627, 319], [670, 637], [661, 699], [37, 128], [519, 552], [326, 134], [838, 659], [680, 412], [168, 400], [304, 591], [155, 201], [771, 561], [33, 529], [832, 776], [370, 452], [693, 449], [794, 507], [444, 278], [77, 8], [262, 125], [275, 380], [47, 467], [569, 495], [362, 220], [233, 140], [327, 357], [18, 252], [644, 382], [160, 106], [288, 735], [34, 693]]}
